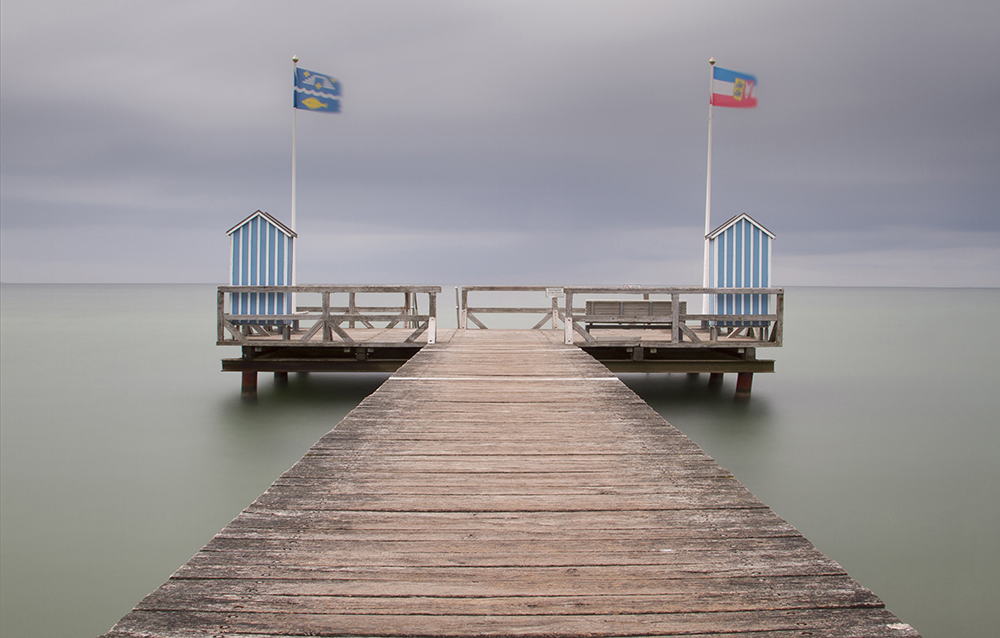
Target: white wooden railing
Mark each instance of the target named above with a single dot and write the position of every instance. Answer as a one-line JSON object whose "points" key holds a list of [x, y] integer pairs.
{"points": [[318, 324]]}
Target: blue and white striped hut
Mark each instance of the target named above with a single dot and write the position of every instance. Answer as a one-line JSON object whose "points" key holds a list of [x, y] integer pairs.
{"points": [[261, 250], [740, 257]]}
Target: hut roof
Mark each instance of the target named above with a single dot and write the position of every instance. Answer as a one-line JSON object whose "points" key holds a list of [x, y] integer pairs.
{"points": [[721, 229], [285, 229]]}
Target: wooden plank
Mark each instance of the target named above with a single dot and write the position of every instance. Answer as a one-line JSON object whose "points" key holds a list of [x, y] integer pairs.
{"points": [[505, 484], [696, 523], [684, 366], [334, 289], [499, 596], [312, 365], [861, 622]]}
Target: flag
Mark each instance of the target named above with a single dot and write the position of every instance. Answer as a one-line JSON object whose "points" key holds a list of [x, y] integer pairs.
{"points": [[733, 89], [316, 92]]}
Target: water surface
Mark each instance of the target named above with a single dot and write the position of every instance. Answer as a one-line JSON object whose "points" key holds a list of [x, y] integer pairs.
{"points": [[879, 439], [123, 449]]}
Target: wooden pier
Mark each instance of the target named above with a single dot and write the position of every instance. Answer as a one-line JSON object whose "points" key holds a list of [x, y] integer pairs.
{"points": [[628, 328], [505, 483]]}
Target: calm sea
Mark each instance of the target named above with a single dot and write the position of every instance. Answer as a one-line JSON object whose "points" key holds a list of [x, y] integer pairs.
{"points": [[123, 449]]}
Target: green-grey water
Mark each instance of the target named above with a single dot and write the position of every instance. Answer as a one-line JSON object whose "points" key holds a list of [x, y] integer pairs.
{"points": [[123, 449]]}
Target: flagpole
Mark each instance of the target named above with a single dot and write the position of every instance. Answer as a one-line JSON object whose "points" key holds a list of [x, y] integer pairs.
{"points": [[295, 252], [708, 184], [295, 62]]}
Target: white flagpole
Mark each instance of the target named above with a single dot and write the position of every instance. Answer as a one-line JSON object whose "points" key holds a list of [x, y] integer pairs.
{"points": [[708, 183], [295, 62], [295, 251]]}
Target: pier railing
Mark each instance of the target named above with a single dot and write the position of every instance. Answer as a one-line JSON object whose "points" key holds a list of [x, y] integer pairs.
{"points": [[550, 313], [751, 316], [262, 315], [748, 319], [259, 315]]}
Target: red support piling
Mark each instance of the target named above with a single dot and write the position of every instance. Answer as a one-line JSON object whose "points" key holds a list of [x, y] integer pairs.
{"points": [[249, 390], [744, 381]]}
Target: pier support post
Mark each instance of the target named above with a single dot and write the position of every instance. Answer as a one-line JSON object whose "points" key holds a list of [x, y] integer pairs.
{"points": [[744, 381], [693, 376], [280, 379], [715, 380], [249, 390]]}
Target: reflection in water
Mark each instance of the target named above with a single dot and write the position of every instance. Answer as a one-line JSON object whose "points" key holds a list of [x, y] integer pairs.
{"points": [[706, 414], [273, 429], [306, 395], [264, 438]]}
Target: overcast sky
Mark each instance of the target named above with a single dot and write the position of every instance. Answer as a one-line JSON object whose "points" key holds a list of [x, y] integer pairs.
{"points": [[501, 142]]}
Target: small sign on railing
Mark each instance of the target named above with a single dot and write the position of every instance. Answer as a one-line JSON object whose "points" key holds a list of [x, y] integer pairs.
{"points": [[555, 293]]}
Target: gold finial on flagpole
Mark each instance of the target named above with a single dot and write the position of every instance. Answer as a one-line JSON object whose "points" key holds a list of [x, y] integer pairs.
{"points": [[295, 59], [711, 61]]}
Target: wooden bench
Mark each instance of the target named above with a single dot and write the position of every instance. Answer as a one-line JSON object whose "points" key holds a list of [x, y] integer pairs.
{"points": [[631, 313]]}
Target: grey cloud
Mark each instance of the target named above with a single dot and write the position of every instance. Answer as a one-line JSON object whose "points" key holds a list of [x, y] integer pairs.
{"points": [[543, 120]]}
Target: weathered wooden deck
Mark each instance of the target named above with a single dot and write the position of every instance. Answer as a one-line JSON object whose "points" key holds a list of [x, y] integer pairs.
{"points": [[654, 333], [505, 484]]}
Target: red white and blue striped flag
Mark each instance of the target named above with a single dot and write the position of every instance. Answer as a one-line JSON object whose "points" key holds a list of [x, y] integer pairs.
{"points": [[733, 89]]}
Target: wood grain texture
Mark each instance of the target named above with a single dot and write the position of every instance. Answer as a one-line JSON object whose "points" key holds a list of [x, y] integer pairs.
{"points": [[508, 487]]}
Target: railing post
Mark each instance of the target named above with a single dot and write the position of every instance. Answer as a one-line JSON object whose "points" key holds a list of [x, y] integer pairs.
{"points": [[221, 334], [705, 306], [351, 307], [568, 321], [555, 313], [779, 324], [432, 319], [463, 322], [327, 329], [675, 315]]}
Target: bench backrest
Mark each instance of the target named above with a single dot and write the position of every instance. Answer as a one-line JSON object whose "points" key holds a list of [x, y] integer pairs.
{"points": [[632, 308]]}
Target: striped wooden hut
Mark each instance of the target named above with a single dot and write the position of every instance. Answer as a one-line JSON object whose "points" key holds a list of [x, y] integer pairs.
{"points": [[740, 257], [261, 250]]}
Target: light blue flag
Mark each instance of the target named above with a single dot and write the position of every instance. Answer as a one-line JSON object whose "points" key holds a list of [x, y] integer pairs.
{"points": [[316, 92]]}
